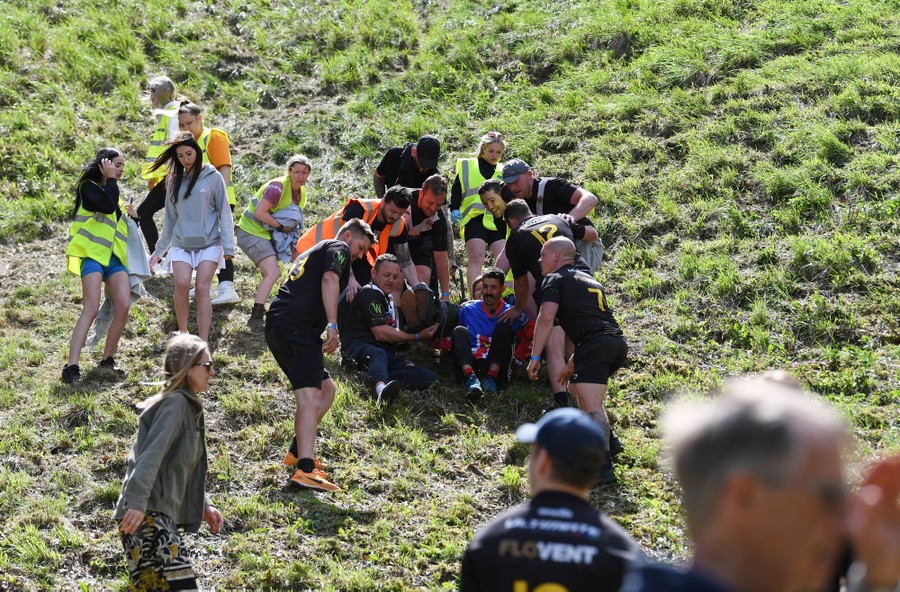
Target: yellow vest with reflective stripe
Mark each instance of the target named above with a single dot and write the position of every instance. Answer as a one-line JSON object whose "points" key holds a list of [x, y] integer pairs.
{"points": [[158, 142], [203, 142], [249, 222], [470, 180], [97, 236], [328, 228]]}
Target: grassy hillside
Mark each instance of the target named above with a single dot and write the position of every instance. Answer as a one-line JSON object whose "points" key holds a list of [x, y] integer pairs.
{"points": [[745, 158]]}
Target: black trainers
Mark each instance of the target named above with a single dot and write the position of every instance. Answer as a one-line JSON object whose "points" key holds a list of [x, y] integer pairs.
{"points": [[389, 393], [615, 445], [257, 315], [71, 373], [109, 365]]}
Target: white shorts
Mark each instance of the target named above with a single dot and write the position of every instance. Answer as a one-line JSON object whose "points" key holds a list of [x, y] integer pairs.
{"points": [[193, 258]]}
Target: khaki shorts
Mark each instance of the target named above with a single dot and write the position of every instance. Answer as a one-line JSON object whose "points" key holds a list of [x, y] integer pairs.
{"points": [[255, 247]]}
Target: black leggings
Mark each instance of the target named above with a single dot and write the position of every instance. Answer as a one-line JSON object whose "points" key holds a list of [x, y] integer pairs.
{"points": [[154, 202]]}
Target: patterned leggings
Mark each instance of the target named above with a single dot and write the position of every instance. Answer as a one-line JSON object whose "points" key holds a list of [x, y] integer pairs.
{"points": [[156, 558]]}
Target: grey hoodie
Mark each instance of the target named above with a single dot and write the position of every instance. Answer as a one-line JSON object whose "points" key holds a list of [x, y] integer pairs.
{"points": [[202, 220]]}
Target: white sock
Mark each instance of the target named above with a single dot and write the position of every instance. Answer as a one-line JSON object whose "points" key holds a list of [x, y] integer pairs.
{"points": [[378, 388]]}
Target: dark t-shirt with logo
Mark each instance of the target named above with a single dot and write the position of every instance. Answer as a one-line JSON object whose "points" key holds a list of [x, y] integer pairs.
{"points": [[298, 302], [583, 310], [370, 308], [555, 540], [523, 247]]}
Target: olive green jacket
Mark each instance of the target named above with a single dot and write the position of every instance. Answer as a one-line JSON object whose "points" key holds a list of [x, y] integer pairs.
{"points": [[167, 465]]}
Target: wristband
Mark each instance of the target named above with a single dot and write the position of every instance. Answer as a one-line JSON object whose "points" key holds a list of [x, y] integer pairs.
{"points": [[445, 294], [535, 358], [417, 336], [331, 326]]}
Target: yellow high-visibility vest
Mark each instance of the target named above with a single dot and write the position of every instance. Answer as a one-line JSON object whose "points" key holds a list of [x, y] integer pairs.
{"points": [[97, 236], [470, 180], [158, 143], [248, 220], [203, 142]]}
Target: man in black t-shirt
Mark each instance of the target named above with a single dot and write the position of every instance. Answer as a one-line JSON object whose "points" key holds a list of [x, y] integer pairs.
{"points": [[553, 195], [306, 305], [523, 250], [557, 540], [578, 301], [408, 165], [370, 332], [428, 233]]}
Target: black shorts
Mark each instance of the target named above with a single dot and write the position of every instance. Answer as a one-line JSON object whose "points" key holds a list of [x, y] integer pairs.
{"points": [[299, 355], [598, 358], [422, 252], [474, 228]]}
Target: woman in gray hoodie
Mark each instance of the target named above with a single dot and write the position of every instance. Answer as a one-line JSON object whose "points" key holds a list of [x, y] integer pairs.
{"points": [[164, 487], [198, 231]]}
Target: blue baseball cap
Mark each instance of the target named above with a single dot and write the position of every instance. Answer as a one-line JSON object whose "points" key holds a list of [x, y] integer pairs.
{"points": [[568, 435]]}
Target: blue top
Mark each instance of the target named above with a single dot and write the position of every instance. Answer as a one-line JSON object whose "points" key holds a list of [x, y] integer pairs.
{"points": [[481, 323]]}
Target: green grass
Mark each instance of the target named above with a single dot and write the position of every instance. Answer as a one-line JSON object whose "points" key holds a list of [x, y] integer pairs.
{"points": [[745, 159]]}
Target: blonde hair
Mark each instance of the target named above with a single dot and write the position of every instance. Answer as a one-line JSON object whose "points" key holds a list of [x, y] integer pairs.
{"points": [[182, 353], [488, 139], [162, 91], [299, 159]]}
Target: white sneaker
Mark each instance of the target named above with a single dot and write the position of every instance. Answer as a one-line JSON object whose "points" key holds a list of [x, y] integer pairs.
{"points": [[212, 292], [227, 295]]}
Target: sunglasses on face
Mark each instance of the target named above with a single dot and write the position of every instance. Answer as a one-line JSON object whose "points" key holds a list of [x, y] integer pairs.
{"points": [[208, 365]]}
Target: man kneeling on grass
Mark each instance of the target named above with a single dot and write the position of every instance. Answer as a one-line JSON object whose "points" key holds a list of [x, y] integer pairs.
{"points": [[482, 343], [305, 306], [371, 333]]}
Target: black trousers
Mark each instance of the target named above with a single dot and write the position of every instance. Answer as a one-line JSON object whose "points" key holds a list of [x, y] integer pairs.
{"points": [[499, 353]]}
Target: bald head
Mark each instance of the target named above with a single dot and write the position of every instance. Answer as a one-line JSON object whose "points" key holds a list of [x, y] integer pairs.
{"points": [[556, 253]]}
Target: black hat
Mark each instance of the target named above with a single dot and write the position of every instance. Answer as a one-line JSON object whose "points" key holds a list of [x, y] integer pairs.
{"points": [[428, 150]]}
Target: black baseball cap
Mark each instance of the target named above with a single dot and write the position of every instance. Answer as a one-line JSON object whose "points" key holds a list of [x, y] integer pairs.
{"points": [[514, 168], [428, 150], [569, 435]]}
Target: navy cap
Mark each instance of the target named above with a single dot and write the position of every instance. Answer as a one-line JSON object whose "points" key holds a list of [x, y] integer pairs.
{"points": [[428, 150], [570, 435], [514, 168]]}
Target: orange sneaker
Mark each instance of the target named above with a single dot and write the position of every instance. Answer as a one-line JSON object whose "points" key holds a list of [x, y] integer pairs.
{"points": [[315, 480], [290, 460]]}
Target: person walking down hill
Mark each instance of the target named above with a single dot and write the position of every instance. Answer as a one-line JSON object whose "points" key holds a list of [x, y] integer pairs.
{"points": [[305, 306], [214, 144], [477, 230], [408, 165], [164, 487], [97, 252], [198, 227], [165, 109], [259, 226]]}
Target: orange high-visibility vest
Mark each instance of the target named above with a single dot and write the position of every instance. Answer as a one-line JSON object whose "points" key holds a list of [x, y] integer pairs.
{"points": [[328, 228]]}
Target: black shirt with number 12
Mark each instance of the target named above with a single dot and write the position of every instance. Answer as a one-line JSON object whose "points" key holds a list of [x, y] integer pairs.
{"points": [[298, 302]]}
